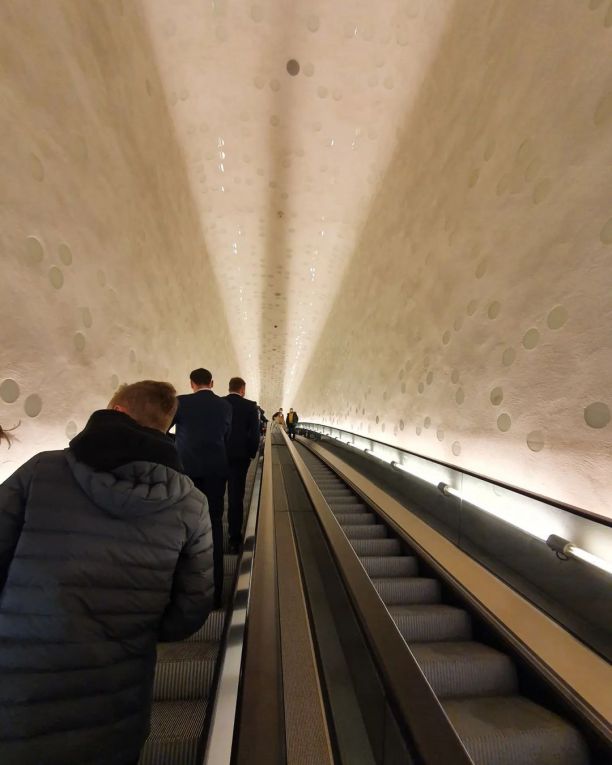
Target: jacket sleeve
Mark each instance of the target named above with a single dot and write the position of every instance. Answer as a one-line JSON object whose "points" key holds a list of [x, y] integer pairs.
{"points": [[192, 588], [13, 496], [253, 432]]}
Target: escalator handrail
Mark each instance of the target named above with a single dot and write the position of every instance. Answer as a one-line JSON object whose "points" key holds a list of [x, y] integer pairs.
{"points": [[219, 742]]}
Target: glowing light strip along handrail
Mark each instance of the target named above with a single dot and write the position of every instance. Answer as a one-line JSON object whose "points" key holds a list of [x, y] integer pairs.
{"points": [[523, 518]]}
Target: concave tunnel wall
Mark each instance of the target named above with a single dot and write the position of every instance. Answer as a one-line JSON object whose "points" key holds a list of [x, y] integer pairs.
{"points": [[105, 275], [474, 323]]}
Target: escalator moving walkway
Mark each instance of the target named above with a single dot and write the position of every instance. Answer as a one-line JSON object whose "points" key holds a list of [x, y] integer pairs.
{"points": [[185, 674], [476, 684]]}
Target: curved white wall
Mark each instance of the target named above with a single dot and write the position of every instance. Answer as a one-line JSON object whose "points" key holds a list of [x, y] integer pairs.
{"points": [[474, 320], [105, 273], [474, 324]]}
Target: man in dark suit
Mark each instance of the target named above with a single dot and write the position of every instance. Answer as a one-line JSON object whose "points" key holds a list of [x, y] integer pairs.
{"points": [[203, 425], [243, 446]]}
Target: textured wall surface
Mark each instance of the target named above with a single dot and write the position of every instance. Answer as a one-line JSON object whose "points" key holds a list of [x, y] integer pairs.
{"points": [[438, 172], [105, 274], [474, 324]]}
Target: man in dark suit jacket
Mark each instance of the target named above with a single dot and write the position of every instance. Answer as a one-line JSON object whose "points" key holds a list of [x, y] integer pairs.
{"points": [[203, 425], [243, 446]]}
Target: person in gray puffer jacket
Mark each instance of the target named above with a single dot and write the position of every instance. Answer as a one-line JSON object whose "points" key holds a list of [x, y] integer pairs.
{"points": [[105, 549]]}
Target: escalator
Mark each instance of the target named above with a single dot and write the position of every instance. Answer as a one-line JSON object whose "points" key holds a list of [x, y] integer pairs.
{"points": [[187, 675], [499, 718]]}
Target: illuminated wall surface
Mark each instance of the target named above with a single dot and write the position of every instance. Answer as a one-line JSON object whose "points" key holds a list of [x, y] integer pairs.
{"points": [[406, 231]]}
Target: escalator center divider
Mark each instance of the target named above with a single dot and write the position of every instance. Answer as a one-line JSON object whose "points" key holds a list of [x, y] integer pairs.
{"points": [[259, 733], [363, 726], [307, 734]]}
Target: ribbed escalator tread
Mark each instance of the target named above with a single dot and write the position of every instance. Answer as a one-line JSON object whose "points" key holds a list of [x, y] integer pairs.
{"points": [[348, 507], [377, 547], [406, 590], [229, 564], [390, 565], [460, 669], [356, 519], [184, 670], [176, 727], [426, 623], [212, 629], [515, 731], [371, 531]]}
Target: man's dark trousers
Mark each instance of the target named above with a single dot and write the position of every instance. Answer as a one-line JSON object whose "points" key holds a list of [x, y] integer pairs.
{"points": [[291, 431], [238, 469], [213, 488]]}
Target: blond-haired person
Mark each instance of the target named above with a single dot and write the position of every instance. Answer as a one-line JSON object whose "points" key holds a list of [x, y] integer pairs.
{"points": [[105, 549]]}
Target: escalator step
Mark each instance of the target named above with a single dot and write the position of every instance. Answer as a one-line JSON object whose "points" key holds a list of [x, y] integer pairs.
{"points": [[176, 727], [212, 629], [405, 590], [373, 531], [355, 507], [349, 499], [184, 670], [377, 547], [514, 731], [229, 564], [466, 669], [391, 565], [356, 519], [425, 623]]}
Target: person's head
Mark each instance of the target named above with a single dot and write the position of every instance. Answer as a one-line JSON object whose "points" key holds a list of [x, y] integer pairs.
{"points": [[201, 378], [151, 403], [280, 410], [291, 409], [237, 385]]}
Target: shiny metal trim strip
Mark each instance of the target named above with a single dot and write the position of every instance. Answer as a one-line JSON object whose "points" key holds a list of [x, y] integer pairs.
{"points": [[221, 732]]}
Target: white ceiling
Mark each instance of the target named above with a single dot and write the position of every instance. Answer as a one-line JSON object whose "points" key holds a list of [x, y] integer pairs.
{"points": [[284, 168]]}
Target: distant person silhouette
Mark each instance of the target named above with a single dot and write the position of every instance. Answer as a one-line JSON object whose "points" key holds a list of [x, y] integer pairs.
{"points": [[292, 421]]}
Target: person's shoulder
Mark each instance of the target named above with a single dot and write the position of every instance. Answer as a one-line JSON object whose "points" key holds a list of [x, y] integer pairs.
{"points": [[224, 402], [191, 506]]}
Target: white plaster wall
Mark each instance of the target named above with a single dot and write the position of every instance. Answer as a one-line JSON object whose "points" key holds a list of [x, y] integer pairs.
{"points": [[475, 321], [105, 274]]}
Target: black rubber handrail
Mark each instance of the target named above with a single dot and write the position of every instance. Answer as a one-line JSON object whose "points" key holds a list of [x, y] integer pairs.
{"points": [[579, 511]]}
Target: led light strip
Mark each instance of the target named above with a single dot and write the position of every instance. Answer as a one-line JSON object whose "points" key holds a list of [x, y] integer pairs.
{"points": [[525, 518], [563, 547]]}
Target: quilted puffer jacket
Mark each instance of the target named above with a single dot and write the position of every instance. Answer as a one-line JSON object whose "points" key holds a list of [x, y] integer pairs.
{"points": [[98, 561]]}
